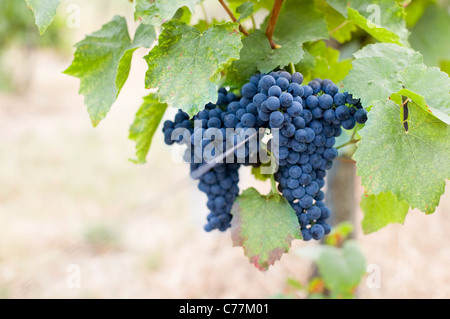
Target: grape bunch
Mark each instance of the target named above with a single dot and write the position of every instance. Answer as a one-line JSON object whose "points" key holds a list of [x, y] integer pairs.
{"points": [[304, 121]]}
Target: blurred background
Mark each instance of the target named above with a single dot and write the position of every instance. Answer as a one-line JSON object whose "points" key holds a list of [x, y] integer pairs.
{"points": [[70, 196]]}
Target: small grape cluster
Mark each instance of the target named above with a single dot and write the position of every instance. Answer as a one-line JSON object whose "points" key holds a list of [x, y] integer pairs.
{"points": [[304, 121]]}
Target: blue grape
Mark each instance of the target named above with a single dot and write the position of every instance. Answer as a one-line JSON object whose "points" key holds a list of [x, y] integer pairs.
{"points": [[274, 91], [248, 90], [276, 119], [361, 116], [342, 112], [286, 99]]}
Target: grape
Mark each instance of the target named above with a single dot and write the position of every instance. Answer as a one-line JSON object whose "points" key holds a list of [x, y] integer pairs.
{"points": [[248, 90], [276, 119], [312, 101], [273, 103], [313, 213], [342, 112], [317, 231], [361, 116], [315, 86], [306, 234], [274, 91], [266, 82], [297, 77], [349, 123], [309, 117], [283, 83], [286, 99], [295, 109], [259, 98], [339, 99], [325, 101], [295, 89]]}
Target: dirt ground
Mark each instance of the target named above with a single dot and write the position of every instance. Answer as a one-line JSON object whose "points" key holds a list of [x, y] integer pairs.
{"points": [[69, 196]]}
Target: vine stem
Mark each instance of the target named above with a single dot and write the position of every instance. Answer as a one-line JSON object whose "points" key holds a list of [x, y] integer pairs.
{"points": [[227, 9], [273, 186], [343, 24], [347, 143], [346, 160], [291, 68], [253, 21], [272, 23]]}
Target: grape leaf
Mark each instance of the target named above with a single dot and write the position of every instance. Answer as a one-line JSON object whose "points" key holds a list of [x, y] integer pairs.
{"points": [[324, 63], [44, 12], [382, 19], [380, 70], [183, 14], [433, 85], [257, 55], [102, 62], [264, 226], [185, 63], [401, 56], [342, 268], [429, 33], [145, 124], [415, 10], [412, 165], [156, 12], [373, 79], [339, 27], [381, 210], [245, 10]]}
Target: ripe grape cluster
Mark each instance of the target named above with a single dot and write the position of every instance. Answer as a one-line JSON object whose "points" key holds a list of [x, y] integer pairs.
{"points": [[304, 121]]}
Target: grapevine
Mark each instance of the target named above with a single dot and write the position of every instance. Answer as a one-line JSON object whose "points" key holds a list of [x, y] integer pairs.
{"points": [[310, 83]]}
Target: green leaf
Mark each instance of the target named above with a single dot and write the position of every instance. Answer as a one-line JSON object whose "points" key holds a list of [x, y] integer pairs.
{"points": [[183, 14], [373, 79], [258, 4], [185, 64], [323, 62], [145, 124], [339, 27], [429, 33], [245, 10], [412, 165], [401, 56], [381, 70], [382, 19], [156, 12], [102, 62], [256, 172], [257, 54], [381, 210], [415, 10], [264, 226], [342, 268], [44, 12], [433, 85]]}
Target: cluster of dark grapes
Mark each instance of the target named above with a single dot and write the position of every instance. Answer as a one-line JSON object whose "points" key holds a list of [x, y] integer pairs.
{"points": [[304, 121]]}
